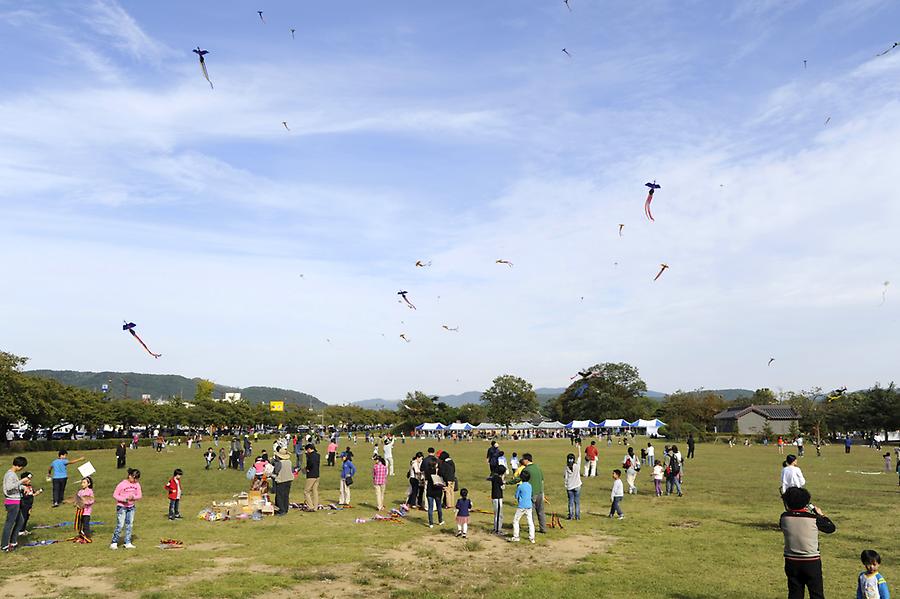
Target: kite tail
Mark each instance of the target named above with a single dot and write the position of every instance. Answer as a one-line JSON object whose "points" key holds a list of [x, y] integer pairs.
{"points": [[206, 75], [647, 207], [141, 341]]}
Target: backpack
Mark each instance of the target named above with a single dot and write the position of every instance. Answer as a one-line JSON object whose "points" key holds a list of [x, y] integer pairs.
{"points": [[674, 465]]}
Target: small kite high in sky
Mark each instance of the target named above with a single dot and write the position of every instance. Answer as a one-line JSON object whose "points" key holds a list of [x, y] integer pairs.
{"points": [[662, 269], [566, 2], [405, 299], [884, 292], [129, 326], [621, 226], [828, 120], [292, 33], [454, 329], [566, 52], [260, 13], [770, 361], [200, 52], [285, 125], [889, 49], [403, 336], [421, 264], [506, 262], [653, 187]]}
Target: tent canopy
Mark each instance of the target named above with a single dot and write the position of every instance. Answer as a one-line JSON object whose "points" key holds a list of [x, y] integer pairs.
{"points": [[582, 424], [551, 425], [641, 423], [460, 426], [521, 426], [488, 426], [430, 426], [614, 423]]}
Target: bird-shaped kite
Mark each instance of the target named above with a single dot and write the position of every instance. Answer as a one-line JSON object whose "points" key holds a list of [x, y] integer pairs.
{"points": [[260, 13], [405, 299], [884, 292], [585, 373], [621, 226], [292, 34], [200, 52], [889, 49], [566, 2], [663, 267], [828, 120], [566, 52], [129, 326], [506, 262], [454, 329], [285, 125], [770, 361], [403, 336], [421, 264], [653, 187], [837, 393]]}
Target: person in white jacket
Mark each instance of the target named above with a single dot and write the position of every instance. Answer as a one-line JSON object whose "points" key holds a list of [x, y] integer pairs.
{"points": [[791, 475], [572, 479], [388, 444], [618, 492]]}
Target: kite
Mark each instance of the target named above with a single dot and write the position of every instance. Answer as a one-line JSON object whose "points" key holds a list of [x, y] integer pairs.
{"points": [[585, 374], [804, 64], [837, 393], [889, 49], [653, 187], [506, 262], [285, 125], [828, 120], [770, 361], [129, 326], [621, 226], [566, 52], [884, 293], [403, 336], [292, 34], [259, 12], [454, 329], [421, 264], [403, 295], [663, 267], [581, 389], [566, 2], [200, 52]]}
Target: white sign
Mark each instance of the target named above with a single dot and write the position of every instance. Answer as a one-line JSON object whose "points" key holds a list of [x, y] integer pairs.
{"points": [[86, 469]]}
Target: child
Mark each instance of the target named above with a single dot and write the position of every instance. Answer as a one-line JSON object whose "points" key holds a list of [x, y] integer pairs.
{"points": [[523, 507], [657, 478], [871, 583], [221, 458], [501, 459], [497, 483], [463, 505], [514, 462], [174, 489], [127, 494], [84, 503], [618, 492], [210, 455], [28, 494]]}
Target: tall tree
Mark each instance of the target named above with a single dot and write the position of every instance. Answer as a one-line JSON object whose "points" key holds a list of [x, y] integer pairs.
{"points": [[614, 391], [695, 408], [508, 399]]}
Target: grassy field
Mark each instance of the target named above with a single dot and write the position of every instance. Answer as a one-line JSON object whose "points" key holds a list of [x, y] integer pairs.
{"points": [[719, 540]]}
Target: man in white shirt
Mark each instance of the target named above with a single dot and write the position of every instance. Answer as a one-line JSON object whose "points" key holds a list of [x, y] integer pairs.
{"points": [[791, 475], [388, 446]]}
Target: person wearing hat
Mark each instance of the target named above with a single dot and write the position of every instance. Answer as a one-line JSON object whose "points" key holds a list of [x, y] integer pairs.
{"points": [[284, 476]]}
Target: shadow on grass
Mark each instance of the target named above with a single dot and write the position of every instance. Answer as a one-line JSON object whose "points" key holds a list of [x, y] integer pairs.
{"points": [[765, 525]]}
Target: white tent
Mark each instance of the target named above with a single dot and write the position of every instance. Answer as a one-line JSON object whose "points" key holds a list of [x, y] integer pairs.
{"points": [[521, 426], [614, 423], [551, 425], [488, 426], [460, 426], [430, 426], [651, 427], [577, 424]]}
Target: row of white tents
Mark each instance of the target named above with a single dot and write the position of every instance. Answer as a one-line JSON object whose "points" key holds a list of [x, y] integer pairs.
{"points": [[649, 427]]}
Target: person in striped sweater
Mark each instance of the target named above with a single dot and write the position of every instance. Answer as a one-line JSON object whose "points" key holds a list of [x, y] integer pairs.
{"points": [[801, 524]]}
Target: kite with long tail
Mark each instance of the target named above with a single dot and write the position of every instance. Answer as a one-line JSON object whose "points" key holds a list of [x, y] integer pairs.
{"points": [[260, 13], [653, 187], [770, 361], [200, 52], [405, 299], [506, 262], [453, 329], [129, 326], [421, 264], [621, 226], [662, 269], [403, 336], [884, 293]]}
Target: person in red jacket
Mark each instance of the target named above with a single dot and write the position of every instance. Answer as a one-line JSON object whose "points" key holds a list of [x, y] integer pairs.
{"points": [[591, 455], [174, 489]]}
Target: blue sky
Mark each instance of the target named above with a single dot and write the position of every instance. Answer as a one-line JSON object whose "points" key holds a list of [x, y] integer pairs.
{"points": [[457, 133]]}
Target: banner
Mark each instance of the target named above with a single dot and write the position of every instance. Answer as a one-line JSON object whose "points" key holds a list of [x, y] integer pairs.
{"points": [[276, 406]]}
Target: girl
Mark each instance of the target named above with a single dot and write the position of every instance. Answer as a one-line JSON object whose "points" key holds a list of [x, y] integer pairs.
{"points": [[657, 478], [379, 480], [84, 503], [127, 494], [28, 494], [348, 470], [463, 505], [572, 479]]}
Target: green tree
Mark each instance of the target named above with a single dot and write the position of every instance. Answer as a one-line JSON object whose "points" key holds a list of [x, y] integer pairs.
{"points": [[509, 399], [415, 409], [697, 408], [614, 391], [204, 391], [763, 397], [472, 413]]}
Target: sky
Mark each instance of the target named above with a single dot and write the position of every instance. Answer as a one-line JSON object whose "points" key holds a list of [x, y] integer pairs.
{"points": [[456, 133]]}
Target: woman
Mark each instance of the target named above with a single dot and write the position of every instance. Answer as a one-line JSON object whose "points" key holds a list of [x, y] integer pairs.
{"points": [[572, 478], [120, 455], [347, 472], [434, 491], [415, 481], [284, 477], [630, 466], [379, 480]]}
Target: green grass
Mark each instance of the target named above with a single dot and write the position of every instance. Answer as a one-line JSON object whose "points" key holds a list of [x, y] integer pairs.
{"points": [[719, 540]]}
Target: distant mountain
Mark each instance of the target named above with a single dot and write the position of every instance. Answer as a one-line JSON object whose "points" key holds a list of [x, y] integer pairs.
{"points": [[733, 394], [378, 404], [169, 385]]}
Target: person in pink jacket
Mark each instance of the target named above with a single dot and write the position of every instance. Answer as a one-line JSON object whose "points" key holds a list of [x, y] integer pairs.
{"points": [[127, 493]]}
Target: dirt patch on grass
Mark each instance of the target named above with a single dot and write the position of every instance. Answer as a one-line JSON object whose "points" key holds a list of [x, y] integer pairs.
{"points": [[685, 524], [51, 583], [211, 546]]}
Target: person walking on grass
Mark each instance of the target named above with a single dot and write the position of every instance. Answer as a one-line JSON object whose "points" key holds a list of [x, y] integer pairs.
{"points": [[493, 453], [690, 444], [870, 583], [348, 471], [591, 457], [631, 466], [416, 482], [536, 478], [524, 506], [379, 480], [572, 481], [447, 471], [618, 492], [311, 490], [60, 473], [673, 472], [801, 525], [434, 488], [658, 471], [12, 499], [126, 494], [848, 442], [120, 455], [283, 471], [497, 484]]}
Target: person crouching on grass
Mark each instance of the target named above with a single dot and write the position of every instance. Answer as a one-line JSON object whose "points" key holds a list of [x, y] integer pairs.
{"points": [[801, 524], [618, 492], [127, 494]]}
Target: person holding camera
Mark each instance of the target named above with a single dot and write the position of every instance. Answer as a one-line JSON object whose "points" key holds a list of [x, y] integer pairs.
{"points": [[801, 524]]}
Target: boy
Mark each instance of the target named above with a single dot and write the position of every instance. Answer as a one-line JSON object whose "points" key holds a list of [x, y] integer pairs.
{"points": [[871, 583], [58, 470], [497, 483], [463, 505], [174, 489], [514, 462], [523, 507], [801, 524], [618, 492]]}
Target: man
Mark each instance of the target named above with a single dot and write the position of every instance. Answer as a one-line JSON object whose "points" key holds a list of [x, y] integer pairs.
{"points": [[791, 475], [120, 455], [10, 437], [591, 455], [284, 476], [493, 455], [60, 473], [537, 490], [690, 443], [311, 491], [235, 452], [429, 464], [447, 471], [651, 455], [801, 524], [800, 445], [388, 447]]}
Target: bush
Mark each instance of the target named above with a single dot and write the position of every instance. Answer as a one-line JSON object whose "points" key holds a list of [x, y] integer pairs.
{"points": [[77, 445]]}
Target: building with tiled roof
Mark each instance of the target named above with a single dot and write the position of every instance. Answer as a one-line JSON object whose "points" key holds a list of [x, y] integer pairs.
{"points": [[752, 419]]}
